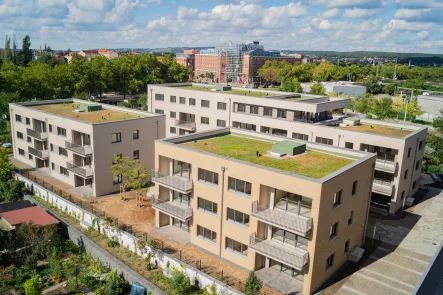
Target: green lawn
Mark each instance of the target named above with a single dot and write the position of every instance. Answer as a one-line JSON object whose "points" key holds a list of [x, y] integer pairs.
{"points": [[311, 164], [382, 130], [234, 91]]}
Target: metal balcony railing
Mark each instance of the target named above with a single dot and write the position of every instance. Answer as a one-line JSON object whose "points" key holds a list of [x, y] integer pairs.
{"points": [[83, 150], [174, 182], [37, 134], [298, 224], [42, 154], [84, 171], [174, 209], [189, 125], [386, 165], [383, 187], [292, 256]]}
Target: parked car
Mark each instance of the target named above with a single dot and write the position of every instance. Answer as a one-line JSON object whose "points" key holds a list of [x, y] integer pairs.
{"points": [[7, 145]]}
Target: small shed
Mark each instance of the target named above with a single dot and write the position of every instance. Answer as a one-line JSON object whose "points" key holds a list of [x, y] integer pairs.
{"points": [[288, 147]]}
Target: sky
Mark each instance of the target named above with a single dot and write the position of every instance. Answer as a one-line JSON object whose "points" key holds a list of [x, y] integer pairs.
{"points": [[339, 25]]}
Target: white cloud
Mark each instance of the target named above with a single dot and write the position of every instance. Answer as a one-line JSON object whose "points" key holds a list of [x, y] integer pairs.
{"points": [[331, 13], [420, 15], [347, 3], [360, 13], [422, 35]]}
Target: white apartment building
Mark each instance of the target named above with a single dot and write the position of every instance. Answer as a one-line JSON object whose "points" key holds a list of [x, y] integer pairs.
{"points": [[74, 141], [191, 107]]}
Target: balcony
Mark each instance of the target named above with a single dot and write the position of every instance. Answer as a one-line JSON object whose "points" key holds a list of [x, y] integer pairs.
{"points": [[383, 187], [298, 224], [386, 165], [174, 182], [174, 209], [83, 150], [41, 154], [85, 171], [187, 125], [292, 256], [37, 134]]}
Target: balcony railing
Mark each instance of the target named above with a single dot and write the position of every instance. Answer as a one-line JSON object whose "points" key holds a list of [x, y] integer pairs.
{"points": [[383, 187], [83, 150], [42, 154], [174, 182], [386, 165], [298, 224], [37, 134], [292, 256], [188, 125], [174, 209], [84, 171]]}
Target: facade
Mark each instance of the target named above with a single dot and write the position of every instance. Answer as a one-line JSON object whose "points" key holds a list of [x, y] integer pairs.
{"points": [[74, 141], [109, 54], [210, 61], [187, 58], [260, 217], [399, 148]]}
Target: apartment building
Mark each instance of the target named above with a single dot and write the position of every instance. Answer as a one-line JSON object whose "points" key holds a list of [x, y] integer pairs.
{"points": [[265, 202], [399, 148], [74, 141]]}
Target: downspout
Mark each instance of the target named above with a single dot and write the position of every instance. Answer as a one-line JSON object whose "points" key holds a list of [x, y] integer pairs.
{"points": [[221, 209], [229, 112], [369, 206]]}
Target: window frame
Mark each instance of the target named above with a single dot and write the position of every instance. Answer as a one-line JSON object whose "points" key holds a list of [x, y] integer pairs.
{"points": [[221, 121], [221, 103], [192, 102], [18, 118], [234, 220], [138, 154], [203, 103], [354, 187], [337, 198], [330, 261], [236, 186], [173, 99], [119, 179], [351, 218], [212, 233], [203, 120], [118, 136], [333, 231], [232, 247], [213, 177], [159, 97], [135, 134], [264, 112], [214, 206]]}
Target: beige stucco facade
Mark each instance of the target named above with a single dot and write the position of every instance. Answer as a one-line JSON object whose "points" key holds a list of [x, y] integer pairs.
{"points": [[307, 261], [310, 118], [87, 151]]}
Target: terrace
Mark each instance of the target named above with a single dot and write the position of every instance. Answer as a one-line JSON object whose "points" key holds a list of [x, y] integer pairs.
{"points": [[380, 130], [99, 116], [311, 163], [253, 93]]}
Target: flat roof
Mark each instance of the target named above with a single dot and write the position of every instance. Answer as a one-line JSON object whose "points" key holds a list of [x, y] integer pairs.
{"points": [[34, 214], [313, 163], [67, 109], [246, 92], [379, 129]]}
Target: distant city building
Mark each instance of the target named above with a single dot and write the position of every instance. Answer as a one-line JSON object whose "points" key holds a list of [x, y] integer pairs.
{"points": [[110, 54], [187, 58], [307, 60], [339, 88], [89, 54]]}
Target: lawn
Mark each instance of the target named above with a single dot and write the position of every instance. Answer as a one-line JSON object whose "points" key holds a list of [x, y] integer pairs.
{"points": [[102, 116], [311, 164], [233, 91], [382, 130]]}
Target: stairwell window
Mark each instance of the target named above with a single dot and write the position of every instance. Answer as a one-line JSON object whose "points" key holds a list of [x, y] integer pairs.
{"points": [[347, 246], [333, 231], [116, 137], [136, 155], [351, 217], [330, 262], [354, 188], [337, 198], [135, 134], [406, 173]]}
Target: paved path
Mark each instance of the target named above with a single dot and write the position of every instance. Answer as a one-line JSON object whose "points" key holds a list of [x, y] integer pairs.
{"points": [[397, 265]]}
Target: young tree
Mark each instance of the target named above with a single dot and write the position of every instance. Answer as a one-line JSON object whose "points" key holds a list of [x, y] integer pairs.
{"points": [[414, 109], [33, 287], [143, 102], [252, 285], [12, 190], [382, 107], [55, 264], [180, 283], [438, 122], [318, 89], [361, 104], [134, 175], [26, 50], [5, 166], [114, 285], [398, 105], [7, 50]]}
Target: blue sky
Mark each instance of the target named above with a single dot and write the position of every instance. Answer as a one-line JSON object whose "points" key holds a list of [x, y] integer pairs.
{"points": [[341, 25]]}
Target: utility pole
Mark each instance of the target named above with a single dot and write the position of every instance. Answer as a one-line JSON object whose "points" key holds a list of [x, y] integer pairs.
{"points": [[395, 71], [406, 106]]}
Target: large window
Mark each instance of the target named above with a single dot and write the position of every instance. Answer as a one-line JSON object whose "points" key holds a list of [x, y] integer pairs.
{"points": [[239, 186], [238, 217], [184, 199], [206, 234], [244, 126], [221, 106], [61, 131], [221, 123], [158, 111], [204, 120], [281, 114], [253, 110], [205, 103], [293, 203], [236, 247], [267, 112], [291, 239], [159, 97], [241, 108], [207, 206], [300, 136], [324, 140], [116, 137], [135, 134], [207, 176]]}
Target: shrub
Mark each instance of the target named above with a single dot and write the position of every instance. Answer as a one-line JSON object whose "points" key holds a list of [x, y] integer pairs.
{"points": [[114, 285], [32, 287], [112, 243], [252, 285], [180, 283]]}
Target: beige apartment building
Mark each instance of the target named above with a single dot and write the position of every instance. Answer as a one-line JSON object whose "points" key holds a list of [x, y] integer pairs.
{"points": [[74, 141], [191, 107], [265, 202]]}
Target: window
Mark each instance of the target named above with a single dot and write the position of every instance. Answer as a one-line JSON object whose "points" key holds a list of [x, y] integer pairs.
{"points": [[158, 111], [351, 217], [28, 121], [206, 234], [116, 137], [50, 128], [239, 186], [136, 154], [253, 110], [281, 114], [159, 97], [354, 188], [417, 165], [420, 144], [172, 115], [238, 217], [300, 136], [207, 176], [241, 108], [62, 151], [409, 153], [61, 131], [221, 123], [347, 246], [117, 179], [173, 99], [337, 198], [207, 206], [244, 126], [30, 157], [29, 139], [349, 145], [192, 102], [18, 118], [330, 262], [172, 130], [51, 146], [406, 173], [135, 134], [21, 152], [64, 171], [267, 112], [52, 166], [19, 135], [333, 231], [414, 184], [204, 120], [182, 100], [205, 103], [221, 106], [324, 140], [236, 247]]}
